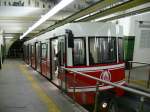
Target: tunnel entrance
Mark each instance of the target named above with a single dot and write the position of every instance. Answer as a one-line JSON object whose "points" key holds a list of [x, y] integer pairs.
{"points": [[16, 50]]}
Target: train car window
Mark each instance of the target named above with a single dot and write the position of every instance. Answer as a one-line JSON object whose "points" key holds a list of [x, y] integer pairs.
{"points": [[120, 50], [44, 50], [30, 51], [79, 57], [48, 51], [61, 51], [25, 54], [32, 47], [102, 50]]}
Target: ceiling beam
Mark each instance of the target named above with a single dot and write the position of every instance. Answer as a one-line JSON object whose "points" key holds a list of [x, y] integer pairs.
{"points": [[24, 19], [139, 11], [97, 6], [122, 7]]}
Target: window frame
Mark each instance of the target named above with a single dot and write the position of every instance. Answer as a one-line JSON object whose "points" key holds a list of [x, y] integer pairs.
{"points": [[115, 50], [84, 42]]}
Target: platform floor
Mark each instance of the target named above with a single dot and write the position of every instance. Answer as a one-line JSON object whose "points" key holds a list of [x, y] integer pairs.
{"points": [[139, 78], [24, 90]]}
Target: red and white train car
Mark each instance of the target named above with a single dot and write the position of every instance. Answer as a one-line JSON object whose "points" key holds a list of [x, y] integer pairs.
{"points": [[91, 48]]}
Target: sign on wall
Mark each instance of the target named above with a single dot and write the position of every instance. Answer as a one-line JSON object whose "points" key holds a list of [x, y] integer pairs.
{"points": [[145, 39]]}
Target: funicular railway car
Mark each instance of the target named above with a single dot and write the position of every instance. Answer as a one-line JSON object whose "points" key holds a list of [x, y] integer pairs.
{"points": [[92, 48]]}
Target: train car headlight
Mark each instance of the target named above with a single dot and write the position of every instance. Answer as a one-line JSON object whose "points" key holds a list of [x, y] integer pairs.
{"points": [[104, 104]]}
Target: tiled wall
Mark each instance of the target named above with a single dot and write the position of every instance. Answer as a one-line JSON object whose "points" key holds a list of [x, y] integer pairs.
{"points": [[27, 3]]}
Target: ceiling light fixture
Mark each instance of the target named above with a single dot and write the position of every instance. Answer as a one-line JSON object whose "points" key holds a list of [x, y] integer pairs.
{"points": [[9, 37], [62, 4]]}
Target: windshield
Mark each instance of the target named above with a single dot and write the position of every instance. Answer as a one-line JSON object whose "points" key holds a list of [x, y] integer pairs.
{"points": [[102, 50]]}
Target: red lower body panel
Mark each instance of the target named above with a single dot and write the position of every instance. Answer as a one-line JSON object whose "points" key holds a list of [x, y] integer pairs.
{"points": [[45, 70], [85, 88]]}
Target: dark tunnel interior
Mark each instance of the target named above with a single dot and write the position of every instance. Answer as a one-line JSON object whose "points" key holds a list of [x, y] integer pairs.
{"points": [[16, 50]]}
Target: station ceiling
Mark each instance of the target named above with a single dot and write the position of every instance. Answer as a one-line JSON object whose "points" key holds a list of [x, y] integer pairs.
{"points": [[15, 20]]}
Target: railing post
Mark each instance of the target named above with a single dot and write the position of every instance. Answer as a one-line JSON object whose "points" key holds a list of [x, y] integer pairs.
{"points": [[141, 107], [65, 76], [74, 87], [130, 64], [96, 97], [148, 82], [61, 81]]}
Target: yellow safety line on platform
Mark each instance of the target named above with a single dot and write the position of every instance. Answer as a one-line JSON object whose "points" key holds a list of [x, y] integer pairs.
{"points": [[139, 82], [52, 107]]}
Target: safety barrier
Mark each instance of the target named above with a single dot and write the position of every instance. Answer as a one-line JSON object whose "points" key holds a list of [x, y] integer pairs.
{"points": [[142, 94], [139, 74]]}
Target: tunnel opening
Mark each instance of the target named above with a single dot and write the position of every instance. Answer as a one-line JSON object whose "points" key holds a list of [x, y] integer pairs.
{"points": [[16, 50]]}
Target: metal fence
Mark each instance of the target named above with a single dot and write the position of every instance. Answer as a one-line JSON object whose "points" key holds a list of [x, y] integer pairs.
{"points": [[139, 74], [142, 94]]}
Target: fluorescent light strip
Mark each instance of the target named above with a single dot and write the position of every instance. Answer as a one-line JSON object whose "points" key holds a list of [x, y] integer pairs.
{"points": [[101, 10], [9, 37], [52, 12]]}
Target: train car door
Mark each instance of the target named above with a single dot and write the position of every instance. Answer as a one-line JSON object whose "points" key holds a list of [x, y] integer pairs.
{"points": [[58, 57], [48, 60], [37, 53], [30, 54], [44, 48], [33, 56], [26, 53], [45, 59]]}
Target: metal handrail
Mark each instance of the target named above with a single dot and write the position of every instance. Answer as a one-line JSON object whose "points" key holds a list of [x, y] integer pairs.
{"points": [[144, 94], [145, 64], [139, 63]]}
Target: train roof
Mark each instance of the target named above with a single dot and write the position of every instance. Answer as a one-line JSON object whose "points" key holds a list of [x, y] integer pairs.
{"points": [[83, 29]]}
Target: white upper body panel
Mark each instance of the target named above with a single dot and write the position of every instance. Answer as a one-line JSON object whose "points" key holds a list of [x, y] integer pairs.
{"points": [[82, 29]]}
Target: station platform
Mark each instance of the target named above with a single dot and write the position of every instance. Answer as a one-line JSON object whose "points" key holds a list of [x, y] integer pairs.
{"points": [[24, 90], [139, 78]]}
